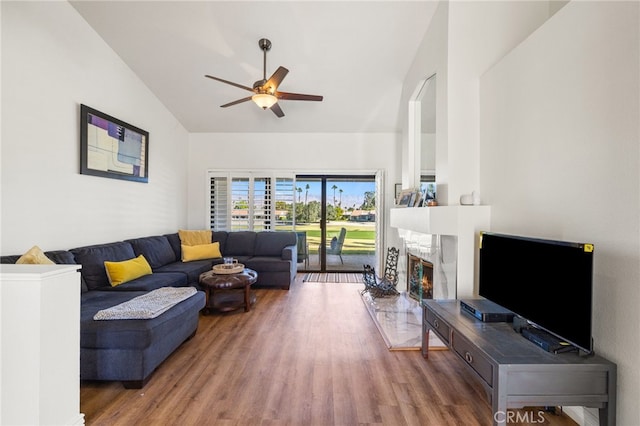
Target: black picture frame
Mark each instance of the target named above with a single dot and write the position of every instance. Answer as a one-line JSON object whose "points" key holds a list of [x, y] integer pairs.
{"points": [[398, 190], [112, 148]]}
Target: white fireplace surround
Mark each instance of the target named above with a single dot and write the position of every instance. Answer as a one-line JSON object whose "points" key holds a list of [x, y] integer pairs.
{"points": [[422, 230], [441, 251]]}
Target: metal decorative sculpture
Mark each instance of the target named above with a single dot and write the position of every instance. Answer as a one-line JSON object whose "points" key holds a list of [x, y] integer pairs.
{"points": [[385, 285]]}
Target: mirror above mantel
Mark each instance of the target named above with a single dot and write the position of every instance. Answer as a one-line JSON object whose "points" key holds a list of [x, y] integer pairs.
{"points": [[427, 169], [422, 137], [455, 225]]}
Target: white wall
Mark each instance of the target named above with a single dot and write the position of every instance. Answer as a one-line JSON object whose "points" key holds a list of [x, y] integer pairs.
{"points": [[463, 40], [559, 158], [299, 152], [431, 58], [480, 33], [51, 62]]}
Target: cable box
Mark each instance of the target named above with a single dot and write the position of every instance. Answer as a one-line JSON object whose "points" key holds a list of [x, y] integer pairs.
{"points": [[486, 310]]}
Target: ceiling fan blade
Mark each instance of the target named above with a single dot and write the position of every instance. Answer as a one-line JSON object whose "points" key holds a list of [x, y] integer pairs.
{"points": [[239, 101], [277, 110], [297, 97], [275, 79], [230, 82]]}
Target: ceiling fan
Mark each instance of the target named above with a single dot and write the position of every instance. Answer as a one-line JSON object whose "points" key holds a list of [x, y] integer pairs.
{"points": [[265, 92]]}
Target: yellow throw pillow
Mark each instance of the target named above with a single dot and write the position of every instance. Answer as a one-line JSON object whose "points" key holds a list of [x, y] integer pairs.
{"points": [[127, 270], [201, 251], [194, 238], [35, 256]]}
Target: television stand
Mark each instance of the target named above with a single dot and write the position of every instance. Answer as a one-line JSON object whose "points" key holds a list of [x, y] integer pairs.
{"points": [[517, 373]]}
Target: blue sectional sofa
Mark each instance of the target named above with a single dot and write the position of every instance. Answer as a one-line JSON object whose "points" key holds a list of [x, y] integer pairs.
{"points": [[130, 350], [273, 255]]}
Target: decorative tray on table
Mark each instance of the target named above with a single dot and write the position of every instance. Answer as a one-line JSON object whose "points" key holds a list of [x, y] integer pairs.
{"points": [[224, 269]]}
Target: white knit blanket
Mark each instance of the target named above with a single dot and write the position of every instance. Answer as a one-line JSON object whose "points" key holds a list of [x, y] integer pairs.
{"points": [[148, 305]]}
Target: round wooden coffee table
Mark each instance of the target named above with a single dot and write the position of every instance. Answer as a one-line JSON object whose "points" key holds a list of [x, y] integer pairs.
{"points": [[222, 290]]}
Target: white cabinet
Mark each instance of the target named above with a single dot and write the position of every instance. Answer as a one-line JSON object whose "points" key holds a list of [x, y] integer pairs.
{"points": [[40, 345]]}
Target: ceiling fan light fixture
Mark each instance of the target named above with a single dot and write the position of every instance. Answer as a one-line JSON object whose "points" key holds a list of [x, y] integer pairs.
{"points": [[264, 100], [265, 91]]}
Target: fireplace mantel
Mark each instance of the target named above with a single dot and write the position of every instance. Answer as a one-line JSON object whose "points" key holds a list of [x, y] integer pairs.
{"points": [[463, 222], [440, 220]]}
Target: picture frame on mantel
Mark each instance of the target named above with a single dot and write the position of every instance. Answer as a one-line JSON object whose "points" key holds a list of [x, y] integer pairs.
{"points": [[405, 198], [398, 190], [416, 200], [112, 148]]}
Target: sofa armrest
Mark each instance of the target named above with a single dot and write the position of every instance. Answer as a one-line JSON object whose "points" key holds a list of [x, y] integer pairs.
{"points": [[290, 253]]}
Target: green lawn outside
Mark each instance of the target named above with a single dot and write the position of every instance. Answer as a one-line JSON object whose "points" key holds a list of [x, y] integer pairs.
{"points": [[360, 237]]}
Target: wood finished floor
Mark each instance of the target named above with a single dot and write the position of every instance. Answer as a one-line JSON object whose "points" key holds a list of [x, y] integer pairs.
{"points": [[308, 356]]}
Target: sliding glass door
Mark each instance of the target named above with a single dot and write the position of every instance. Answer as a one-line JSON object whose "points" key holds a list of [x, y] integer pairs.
{"points": [[336, 218]]}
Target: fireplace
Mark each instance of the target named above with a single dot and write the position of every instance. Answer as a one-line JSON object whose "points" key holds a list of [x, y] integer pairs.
{"points": [[419, 277], [446, 235]]}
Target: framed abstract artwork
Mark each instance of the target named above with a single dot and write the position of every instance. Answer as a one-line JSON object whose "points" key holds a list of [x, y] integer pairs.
{"points": [[112, 148]]}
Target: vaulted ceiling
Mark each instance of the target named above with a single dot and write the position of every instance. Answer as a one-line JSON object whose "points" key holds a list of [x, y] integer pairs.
{"points": [[355, 54]]}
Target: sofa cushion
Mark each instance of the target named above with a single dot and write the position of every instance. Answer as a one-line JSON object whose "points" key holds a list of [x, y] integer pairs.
{"points": [[157, 250], [151, 282], [92, 259], [65, 257], [216, 236], [34, 256], [272, 243], [240, 243], [127, 270], [267, 264], [194, 238], [191, 270], [9, 259], [61, 257], [174, 242], [200, 252], [241, 259], [127, 334], [220, 237]]}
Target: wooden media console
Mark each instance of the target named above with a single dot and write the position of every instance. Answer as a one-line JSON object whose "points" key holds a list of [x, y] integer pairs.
{"points": [[515, 372]]}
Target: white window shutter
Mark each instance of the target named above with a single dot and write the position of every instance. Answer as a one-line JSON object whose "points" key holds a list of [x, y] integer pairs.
{"points": [[260, 201], [219, 203]]}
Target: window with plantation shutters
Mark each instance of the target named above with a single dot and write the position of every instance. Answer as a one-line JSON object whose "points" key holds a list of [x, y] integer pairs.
{"points": [[240, 202], [262, 207], [255, 201], [285, 203], [219, 196]]}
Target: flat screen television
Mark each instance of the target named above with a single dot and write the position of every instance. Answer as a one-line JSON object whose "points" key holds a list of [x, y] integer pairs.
{"points": [[546, 282]]}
